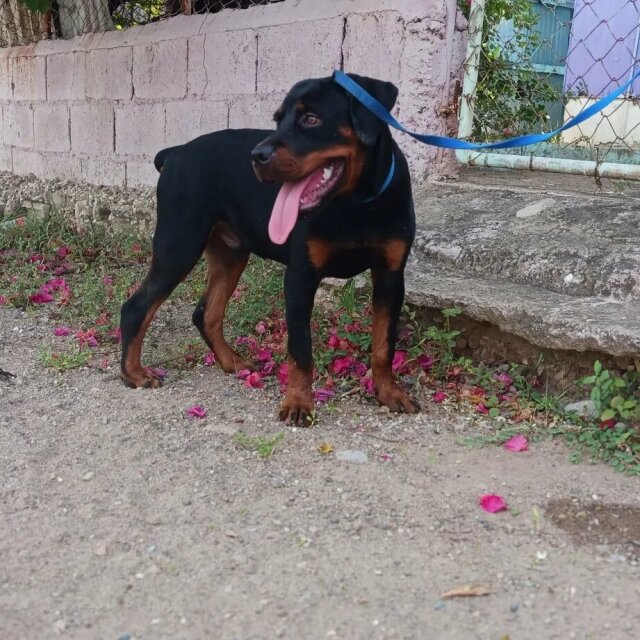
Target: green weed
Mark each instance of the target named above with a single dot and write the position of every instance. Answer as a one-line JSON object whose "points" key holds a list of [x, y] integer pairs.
{"points": [[263, 445]]}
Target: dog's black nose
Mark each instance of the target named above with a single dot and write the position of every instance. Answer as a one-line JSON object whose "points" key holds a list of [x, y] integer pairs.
{"points": [[262, 154]]}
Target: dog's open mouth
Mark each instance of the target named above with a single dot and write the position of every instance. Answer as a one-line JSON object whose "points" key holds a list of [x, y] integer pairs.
{"points": [[302, 195]]}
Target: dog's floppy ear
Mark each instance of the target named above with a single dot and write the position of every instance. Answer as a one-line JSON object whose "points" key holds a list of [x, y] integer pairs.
{"points": [[365, 124]]}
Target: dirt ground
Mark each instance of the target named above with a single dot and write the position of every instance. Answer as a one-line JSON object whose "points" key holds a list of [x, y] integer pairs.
{"points": [[120, 519]]}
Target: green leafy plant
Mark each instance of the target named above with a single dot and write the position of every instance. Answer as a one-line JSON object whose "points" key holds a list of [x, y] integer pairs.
{"points": [[40, 6], [511, 97], [612, 395]]}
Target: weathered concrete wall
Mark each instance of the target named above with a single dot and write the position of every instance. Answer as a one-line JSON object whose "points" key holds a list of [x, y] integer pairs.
{"points": [[97, 108]]}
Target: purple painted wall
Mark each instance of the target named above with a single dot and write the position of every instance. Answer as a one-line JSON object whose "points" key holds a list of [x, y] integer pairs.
{"points": [[603, 46]]}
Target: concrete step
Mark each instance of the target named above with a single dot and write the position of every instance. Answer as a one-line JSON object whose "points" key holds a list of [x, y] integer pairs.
{"points": [[546, 259]]}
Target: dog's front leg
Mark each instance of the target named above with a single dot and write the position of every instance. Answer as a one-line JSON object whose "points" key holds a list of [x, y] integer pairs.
{"points": [[300, 286], [388, 295]]}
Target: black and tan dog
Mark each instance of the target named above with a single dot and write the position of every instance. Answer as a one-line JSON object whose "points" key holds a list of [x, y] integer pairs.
{"points": [[327, 193]]}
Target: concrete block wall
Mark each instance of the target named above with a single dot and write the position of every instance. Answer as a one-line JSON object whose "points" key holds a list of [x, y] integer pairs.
{"points": [[97, 108]]}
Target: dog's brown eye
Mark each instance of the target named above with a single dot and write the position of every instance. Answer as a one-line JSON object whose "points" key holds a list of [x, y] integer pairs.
{"points": [[311, 120]]}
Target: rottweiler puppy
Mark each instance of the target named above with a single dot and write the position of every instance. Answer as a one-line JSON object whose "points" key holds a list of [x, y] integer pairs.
{"points": [[328, 193]]}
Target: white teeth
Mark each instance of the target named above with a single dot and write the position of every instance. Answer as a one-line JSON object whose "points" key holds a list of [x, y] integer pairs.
{"points": [[326, 174]]}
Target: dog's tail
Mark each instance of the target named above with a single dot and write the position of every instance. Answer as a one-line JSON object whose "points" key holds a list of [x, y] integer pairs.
{"points": [[162, 156]]}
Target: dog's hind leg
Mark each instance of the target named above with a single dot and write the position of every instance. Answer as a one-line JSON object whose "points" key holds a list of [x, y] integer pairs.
{"points": [[172, 261], [226, 265]]}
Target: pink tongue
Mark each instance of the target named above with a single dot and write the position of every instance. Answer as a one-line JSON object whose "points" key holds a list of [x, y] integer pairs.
{"points": [[285, 210]]}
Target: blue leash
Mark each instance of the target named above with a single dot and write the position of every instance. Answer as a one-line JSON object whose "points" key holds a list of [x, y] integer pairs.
{"points": [[379, 111]]}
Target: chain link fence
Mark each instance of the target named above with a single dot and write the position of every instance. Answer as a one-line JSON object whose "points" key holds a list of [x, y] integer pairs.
{"points": [[27, 21], [533, 64]]}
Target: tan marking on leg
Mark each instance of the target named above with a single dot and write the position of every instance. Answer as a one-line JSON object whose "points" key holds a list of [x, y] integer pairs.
{"points": [[225, 269], [134, 372], [387, 390], [394, 253], [297, 406], [320, 253]]}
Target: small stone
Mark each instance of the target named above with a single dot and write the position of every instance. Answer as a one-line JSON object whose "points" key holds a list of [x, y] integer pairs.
{"points": [[352, 455], [88, 476], [60, 625], [439, 605], [584, 408], [231, 534], [277, 483], [100, 550], [514, 607]]}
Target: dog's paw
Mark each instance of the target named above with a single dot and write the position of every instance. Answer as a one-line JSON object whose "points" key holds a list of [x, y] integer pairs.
{"points": [[298, 412], [144, 380], [396, 399]]}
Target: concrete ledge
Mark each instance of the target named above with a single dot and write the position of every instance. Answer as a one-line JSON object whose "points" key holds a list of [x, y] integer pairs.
{"points": [[538, 255]]}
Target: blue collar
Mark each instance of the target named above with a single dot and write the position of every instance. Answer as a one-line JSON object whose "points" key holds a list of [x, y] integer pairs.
{"points": [[387, 181]]}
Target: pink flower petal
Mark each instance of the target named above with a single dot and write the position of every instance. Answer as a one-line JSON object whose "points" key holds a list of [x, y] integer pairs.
{"points": [[261, 327], [254, 381], [385, 457], [439, 396], [243, 374], [481, 408], [322, 395], [41, 298], [367, 384], [517, 443], [263, 355], [63, 251], [61, 331], [269, 368], [3, 300], [197, 411], [333, 342], [425, 362], [504, 378], [492, 503], [209, 359], [283, 373], [159, 372], [399, 361], [360, 369], [342, 366]]}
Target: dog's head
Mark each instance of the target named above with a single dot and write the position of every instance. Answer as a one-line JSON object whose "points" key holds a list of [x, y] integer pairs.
{"points": [[320, 146]]}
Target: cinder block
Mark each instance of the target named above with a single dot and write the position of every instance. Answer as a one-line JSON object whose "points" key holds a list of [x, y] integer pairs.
{"points": [[160, 70], [66, 76], [62, 168], [51, 128], [254, 111], [92, 128], [140, 129], [25, 162], [230, 63], [109, 74], [29, 78], [180, 27], [103, 172], [6, 162], [292, 52], [383, 62], [196, 72], [6, 93], [141, 174], [189, 119], [18, 125]]}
